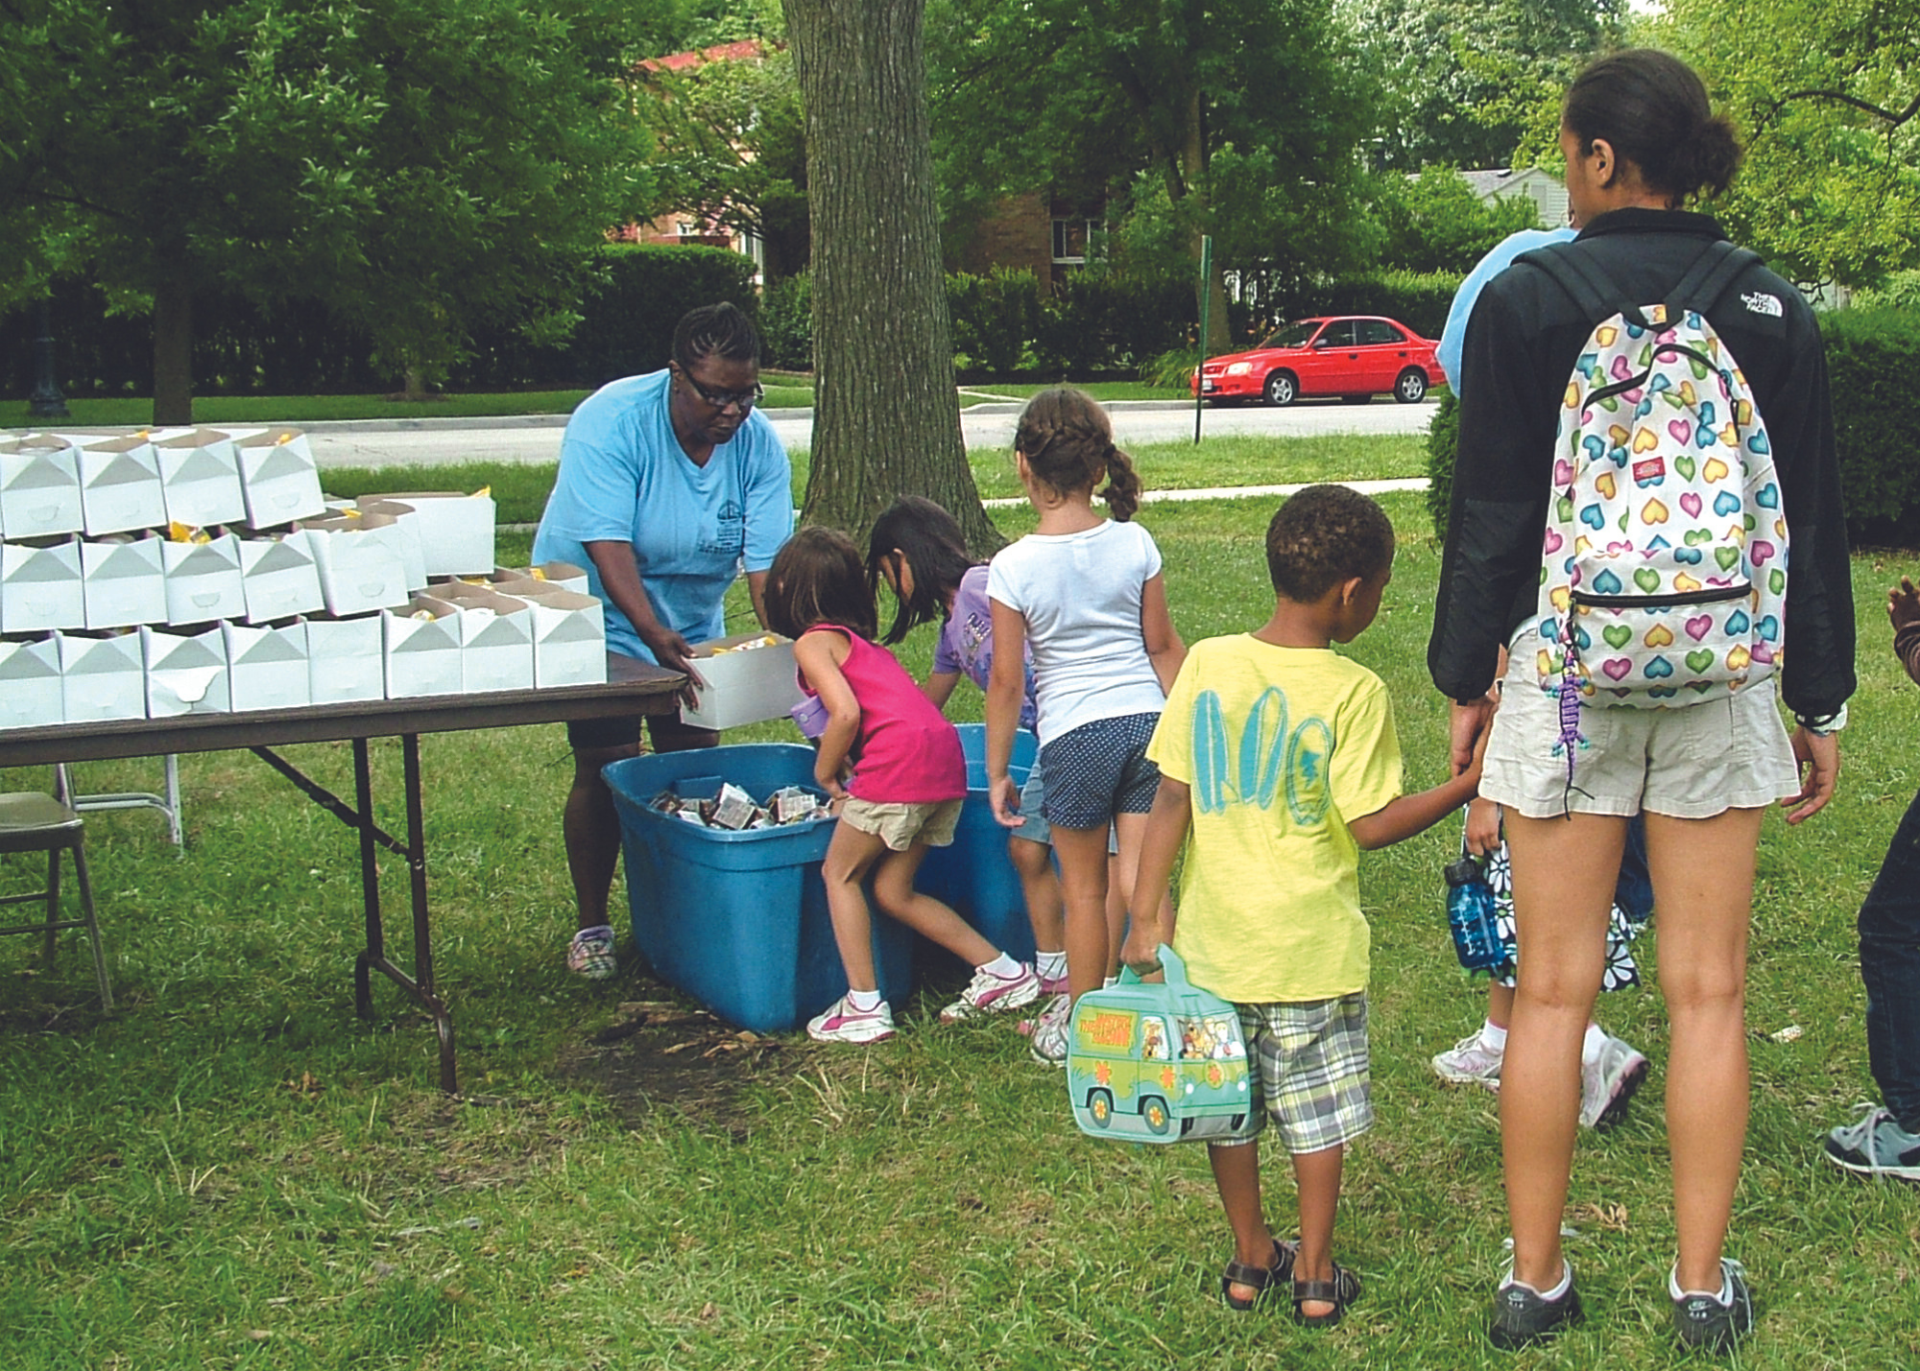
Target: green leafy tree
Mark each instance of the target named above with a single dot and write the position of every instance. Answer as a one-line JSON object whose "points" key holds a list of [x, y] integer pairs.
{"points": [[1827, 93], [733, 149], [1451, 70], [1219, 117], [422, 166], [1433, 221]]}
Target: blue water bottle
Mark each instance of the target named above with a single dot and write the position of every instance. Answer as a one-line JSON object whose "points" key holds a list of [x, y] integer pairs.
{"points": [[1470, 915]]}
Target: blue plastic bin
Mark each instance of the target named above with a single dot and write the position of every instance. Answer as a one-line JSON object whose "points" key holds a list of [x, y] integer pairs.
{"points": [[975, 876], [739, 920]]}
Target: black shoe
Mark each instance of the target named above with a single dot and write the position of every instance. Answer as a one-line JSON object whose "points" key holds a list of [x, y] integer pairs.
{"points": [[1707, 1321], [1523, 1316]]}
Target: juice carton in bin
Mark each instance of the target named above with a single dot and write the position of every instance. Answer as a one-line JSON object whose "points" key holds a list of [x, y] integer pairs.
{"points": [[1157, 1063]]}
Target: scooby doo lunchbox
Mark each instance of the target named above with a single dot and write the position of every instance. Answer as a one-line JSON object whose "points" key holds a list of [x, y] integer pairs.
{"points": [[1157, 1063]]}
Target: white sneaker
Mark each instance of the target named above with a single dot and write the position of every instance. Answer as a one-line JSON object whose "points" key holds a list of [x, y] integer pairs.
{"points": [[1607, 1084], [990, 994], [1049, 1043], [842, 1023], [1470, 1062]]}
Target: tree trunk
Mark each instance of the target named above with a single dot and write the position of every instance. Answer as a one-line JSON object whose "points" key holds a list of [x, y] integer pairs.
{"points": [[886, 414], [173, 341]]}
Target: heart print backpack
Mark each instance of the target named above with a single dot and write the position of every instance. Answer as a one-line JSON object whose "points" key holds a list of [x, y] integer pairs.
{"points": [[1664, 566]]}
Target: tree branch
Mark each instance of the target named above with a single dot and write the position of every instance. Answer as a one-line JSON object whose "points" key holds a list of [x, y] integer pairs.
{"points": [[1893, 120]]}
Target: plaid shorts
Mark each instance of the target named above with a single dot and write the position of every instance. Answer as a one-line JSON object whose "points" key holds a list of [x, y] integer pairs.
{"points": [[1310, 1070]]}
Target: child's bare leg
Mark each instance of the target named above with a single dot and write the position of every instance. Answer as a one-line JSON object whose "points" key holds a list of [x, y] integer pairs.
{"points": [[850, 854], [1083, 890], [1034, 863], [893, 888], [1317, 1174], [1499, 1004], [1131, 830], [1236, 1173]]}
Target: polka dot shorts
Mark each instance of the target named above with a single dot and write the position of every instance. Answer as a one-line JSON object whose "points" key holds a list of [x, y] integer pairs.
{"points": [[1098, 770]]}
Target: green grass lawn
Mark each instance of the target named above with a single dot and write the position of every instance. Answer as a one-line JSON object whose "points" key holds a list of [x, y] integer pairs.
{"points": [[306, 409], [521, 491], [235, 1171]]}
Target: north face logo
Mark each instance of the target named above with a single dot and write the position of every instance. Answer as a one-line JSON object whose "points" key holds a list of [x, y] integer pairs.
{"points": [[1762, 303]]}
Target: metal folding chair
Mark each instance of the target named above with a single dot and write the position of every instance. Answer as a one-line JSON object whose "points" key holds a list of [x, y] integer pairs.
{"points": [[167, 801], [34, 821]]}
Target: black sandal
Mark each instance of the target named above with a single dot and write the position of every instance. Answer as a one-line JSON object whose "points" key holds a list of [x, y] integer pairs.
{"points": [[1261, 1278], [1339, 1292]]}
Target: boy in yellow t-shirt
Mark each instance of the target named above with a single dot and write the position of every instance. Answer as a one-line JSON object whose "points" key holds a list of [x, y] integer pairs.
{"points": [[1278, 757]]}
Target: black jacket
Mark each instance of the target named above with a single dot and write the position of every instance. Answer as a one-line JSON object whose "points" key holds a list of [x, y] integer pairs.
{"points": [[1522, 340]]}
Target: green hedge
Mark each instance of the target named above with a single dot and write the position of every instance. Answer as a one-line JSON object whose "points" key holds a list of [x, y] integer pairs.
{"points": [[297, 347], [1872, 357], [786, 323]]}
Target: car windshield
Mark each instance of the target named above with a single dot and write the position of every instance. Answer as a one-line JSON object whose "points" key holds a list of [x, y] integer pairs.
{"points": [[1293, 335]]}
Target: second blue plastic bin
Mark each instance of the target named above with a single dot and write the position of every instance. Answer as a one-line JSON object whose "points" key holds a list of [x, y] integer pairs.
{"points": [[975, 875], [739, 920]]}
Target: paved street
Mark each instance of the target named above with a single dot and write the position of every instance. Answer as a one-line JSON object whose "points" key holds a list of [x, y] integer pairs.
{"points": [[989, 426]]}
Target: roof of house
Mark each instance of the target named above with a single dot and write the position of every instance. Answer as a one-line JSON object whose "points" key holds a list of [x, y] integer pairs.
{"points": [[1496, 180], [744, 51]]}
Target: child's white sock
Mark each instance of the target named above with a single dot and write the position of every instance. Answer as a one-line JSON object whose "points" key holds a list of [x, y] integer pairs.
{"points": [[1110, 982], [1003, 967], [864, 1001], [1051, 965], [1590, 1045], [1494, 1036]]}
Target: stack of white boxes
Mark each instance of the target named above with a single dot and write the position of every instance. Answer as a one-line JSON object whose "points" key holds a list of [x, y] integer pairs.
{"points": [[154, 574]]}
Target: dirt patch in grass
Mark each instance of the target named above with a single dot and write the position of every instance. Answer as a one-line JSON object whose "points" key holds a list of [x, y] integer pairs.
{"points": [[659, 1054]]}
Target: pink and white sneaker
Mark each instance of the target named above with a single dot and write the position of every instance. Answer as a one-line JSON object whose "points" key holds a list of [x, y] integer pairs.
{"points": [[842, 1023], [987, 993]]}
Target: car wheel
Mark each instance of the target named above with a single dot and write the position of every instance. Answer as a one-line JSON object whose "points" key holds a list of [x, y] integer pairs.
{"points": [[1411, 388], [1282, 389], [1100, 1107]]}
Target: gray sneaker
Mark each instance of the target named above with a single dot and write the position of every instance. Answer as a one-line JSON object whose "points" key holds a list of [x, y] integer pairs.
{"points": [[1049, 1042], [1875, 1144], [1713, 1321], [1523, 1316], [1609, 1083]]}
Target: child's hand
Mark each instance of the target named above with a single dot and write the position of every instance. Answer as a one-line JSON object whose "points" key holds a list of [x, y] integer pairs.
{"points": [[831, 784], [1004, 795], [1903, 604], [1141, 951], [1483, 826]]}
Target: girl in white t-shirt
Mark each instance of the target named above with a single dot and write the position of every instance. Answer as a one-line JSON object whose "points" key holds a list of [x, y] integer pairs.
{"points": [[1087, 595]]}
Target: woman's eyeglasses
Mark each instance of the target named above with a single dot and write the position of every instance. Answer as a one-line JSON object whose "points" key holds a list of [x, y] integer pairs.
{"points": [[724, 400]]}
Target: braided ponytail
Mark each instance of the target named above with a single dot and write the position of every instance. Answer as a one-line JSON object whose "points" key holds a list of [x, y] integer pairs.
{"points": [[1067, 441]]}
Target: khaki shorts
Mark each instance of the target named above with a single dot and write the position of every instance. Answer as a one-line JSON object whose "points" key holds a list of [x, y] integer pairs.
{"points": [[1690, 763], [901, 826]]}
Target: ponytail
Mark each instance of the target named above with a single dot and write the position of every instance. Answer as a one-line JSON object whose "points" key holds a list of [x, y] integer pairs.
{"points": [[1123, 485]]}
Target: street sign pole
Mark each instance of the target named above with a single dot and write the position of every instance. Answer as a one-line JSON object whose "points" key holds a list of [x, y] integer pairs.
{"points": [[1206, 299]]}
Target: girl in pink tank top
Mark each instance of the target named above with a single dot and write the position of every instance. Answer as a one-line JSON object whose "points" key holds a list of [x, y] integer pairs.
{"points": [[893, 764]]}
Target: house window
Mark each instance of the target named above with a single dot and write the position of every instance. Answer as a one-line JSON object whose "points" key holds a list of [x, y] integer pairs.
{"points": [[1070, 239]]}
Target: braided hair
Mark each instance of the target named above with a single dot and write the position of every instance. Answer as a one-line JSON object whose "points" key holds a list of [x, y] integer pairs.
{"points": [[1068, 442], [721, 330]]}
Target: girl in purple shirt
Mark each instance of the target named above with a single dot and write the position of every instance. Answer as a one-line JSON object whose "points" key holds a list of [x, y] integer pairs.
{"points": [[917, 549], [905, 779]]}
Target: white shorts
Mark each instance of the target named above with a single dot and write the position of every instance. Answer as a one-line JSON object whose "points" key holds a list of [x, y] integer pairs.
{"points": [[1688, 763]]}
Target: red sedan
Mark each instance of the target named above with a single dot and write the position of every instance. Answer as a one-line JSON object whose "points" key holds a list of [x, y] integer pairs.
{"points": [[1353, 356]]}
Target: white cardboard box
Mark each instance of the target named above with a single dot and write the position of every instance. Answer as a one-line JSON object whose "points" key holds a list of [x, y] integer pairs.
{"points": [[496, 637], [561, 575], [267, 667], [30, 687], [200, 479], [345, 660], [569, 634], [120, 486], [124, 583], [279, 577], [413, 551], [743, 687], [423, 656], [455, 530], [40, 588], [102, 678], [362, 562], [39, 487], [204, 581], [186, 672], [278, 478]]}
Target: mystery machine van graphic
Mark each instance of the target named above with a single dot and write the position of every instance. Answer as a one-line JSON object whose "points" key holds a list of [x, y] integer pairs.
{"points": [[1157, 1063]]}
